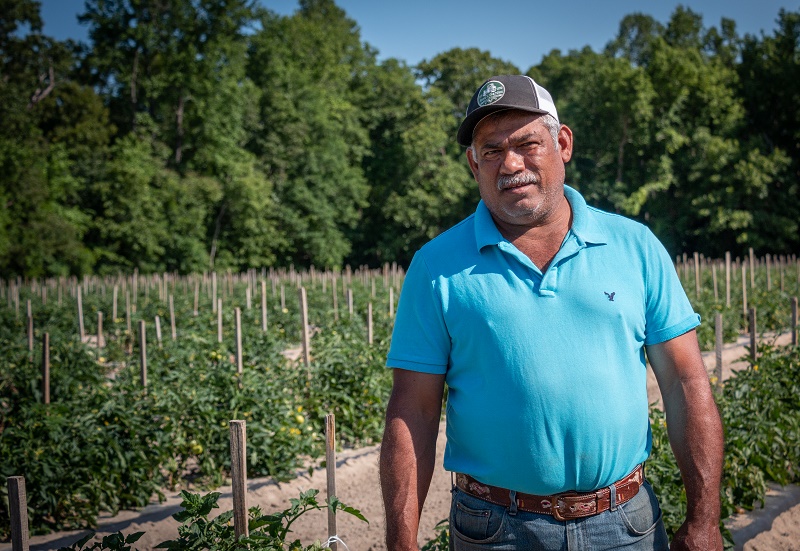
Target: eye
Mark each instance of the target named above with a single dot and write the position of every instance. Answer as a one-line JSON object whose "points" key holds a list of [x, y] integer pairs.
{"points": [[490, 154]]}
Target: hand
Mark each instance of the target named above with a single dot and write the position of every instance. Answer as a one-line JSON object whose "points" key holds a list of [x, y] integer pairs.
{"points": [[697, 536]]}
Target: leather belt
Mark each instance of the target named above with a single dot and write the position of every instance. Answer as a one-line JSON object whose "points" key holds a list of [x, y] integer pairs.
{"points": [[564, 506]]}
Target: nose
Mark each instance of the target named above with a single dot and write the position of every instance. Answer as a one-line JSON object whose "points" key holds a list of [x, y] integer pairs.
{"points": [[512, 163]]}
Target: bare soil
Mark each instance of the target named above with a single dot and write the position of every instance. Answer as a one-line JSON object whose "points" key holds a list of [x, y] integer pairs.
{"points": [[772, 528]]}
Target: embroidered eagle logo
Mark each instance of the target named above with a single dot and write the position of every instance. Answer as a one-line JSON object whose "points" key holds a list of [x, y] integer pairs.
{"points": [[610, 296]]}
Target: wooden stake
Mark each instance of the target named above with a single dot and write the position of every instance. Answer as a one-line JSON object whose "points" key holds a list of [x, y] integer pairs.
{"points": [[238, 315], [196, 297], [728, 279], [214, 291], [46, 368], [753, 351], [306, 334], [143, 353], [128, 311], [18, 511], [330, 469], [391, 302], [350, 308], [697, 274], [335, 300], [794, 321], [768, 259], [714, 278], [752, 269], [718, 348], [369, 321], [114, 304], [158, 330], [238, 430], [99, 330], [30, 333], [744, 291], [173, 332], [219, 320], [80, 314], [263, 306]]}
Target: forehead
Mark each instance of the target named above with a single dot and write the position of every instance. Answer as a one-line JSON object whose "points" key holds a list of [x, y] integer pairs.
{"points": [[504, 125]]}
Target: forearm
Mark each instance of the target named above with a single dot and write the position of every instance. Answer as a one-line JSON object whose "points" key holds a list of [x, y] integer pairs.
{"points": [[408, 455], [695, 433]]}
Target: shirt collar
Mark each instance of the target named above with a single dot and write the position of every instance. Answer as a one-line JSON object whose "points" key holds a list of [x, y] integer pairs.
{"points": [[583, 227]]}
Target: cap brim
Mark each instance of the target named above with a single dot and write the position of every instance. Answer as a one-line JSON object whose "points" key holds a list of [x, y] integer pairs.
{"points": [[467, 128]]}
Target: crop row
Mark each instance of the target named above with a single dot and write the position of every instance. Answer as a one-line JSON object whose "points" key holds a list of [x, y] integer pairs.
{"points": [[106, 443]]}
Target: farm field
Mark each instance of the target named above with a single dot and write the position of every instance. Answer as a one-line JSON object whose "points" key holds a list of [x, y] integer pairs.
{"points": [[106, 442], [357, 483]]}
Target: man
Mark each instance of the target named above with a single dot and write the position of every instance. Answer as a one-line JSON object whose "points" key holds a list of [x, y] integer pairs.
{"points": [[537, 311]]}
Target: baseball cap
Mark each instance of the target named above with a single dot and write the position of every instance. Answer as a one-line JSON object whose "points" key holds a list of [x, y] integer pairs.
{"points": [[500, 93]]}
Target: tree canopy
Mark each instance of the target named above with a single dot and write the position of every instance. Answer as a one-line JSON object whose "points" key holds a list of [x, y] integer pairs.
{"points": [[214, 134]]}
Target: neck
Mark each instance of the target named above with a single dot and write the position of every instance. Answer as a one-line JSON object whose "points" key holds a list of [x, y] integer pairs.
{"points": [[540, 242]]}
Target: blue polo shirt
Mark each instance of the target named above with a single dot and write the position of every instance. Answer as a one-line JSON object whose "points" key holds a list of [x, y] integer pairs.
{"points": [[546, 372]]}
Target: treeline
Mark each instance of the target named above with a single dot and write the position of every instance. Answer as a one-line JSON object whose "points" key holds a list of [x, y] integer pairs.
{"points": [[192, 134]]}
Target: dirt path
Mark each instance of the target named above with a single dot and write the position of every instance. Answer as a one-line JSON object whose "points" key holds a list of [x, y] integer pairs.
{"points": [[776, 527]]}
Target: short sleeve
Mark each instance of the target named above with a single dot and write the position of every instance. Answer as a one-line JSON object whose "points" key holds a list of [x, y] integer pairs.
{"points": [[669, 313], [420, 341]]}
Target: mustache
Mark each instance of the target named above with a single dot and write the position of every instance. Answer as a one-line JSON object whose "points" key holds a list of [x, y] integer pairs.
{"points": [[513, 180]]}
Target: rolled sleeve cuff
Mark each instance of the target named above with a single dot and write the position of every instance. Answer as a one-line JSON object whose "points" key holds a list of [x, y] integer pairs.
{"points": [[411, 365], [676, 330]]}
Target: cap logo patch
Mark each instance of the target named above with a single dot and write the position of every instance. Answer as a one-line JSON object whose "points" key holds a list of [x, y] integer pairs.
{"points": [[490, 92]]}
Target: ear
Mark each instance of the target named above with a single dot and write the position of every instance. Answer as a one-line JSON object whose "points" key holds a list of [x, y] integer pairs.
{"points": [[565, 142], [473, 164]]}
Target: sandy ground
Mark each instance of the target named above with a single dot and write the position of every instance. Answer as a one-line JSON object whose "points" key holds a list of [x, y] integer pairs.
{"points": [[775, 527]]}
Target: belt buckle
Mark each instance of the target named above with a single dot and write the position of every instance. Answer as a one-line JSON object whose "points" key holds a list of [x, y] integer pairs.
{"points": [[558, 503]]}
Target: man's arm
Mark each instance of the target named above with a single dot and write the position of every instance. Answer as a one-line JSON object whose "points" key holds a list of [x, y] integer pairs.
{"points": [[408, 453], [695, 434]]}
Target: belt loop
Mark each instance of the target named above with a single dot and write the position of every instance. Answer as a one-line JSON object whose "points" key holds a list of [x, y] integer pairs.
{"points": [[512, 509], [613, 497]]}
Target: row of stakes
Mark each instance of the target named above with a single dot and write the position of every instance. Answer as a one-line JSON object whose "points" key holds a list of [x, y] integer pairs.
{"points": [[18, 507], [306, 339]]}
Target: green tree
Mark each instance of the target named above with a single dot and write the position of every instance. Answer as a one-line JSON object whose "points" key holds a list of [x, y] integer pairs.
{"points": [[769, 74], [608, 103], [311, 139], [418, 189], [457, 73], [177, 70], [673, 126], [165, 59], [42, 221]]}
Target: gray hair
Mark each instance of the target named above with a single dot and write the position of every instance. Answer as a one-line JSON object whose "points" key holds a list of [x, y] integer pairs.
{"points": [[548, 120]]}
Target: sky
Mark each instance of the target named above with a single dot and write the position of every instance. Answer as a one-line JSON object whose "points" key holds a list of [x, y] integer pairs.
{"points": [[519, 31]]}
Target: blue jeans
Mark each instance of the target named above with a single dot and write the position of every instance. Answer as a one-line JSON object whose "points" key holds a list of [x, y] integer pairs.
{"points": [[477, 525]]}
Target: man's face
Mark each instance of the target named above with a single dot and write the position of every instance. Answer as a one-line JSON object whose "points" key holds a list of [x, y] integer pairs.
{"points": [[519, 170]]}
